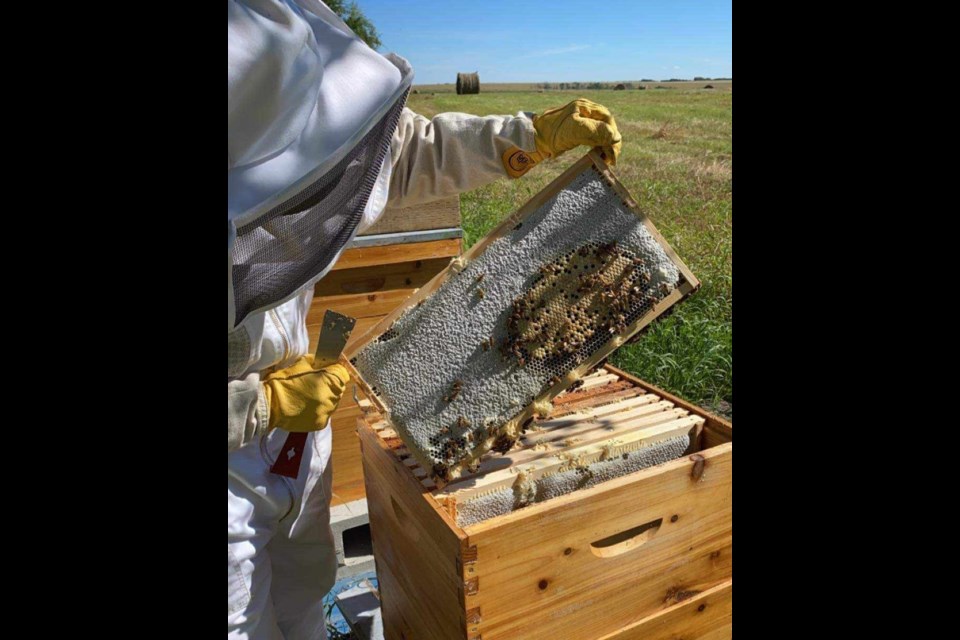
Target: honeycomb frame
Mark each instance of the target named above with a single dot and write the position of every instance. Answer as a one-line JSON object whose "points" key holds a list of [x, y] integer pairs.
{"points": [[499, 437]]}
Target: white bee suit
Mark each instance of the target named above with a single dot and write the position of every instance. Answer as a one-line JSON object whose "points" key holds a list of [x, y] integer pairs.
{"points": [[319, 142]]}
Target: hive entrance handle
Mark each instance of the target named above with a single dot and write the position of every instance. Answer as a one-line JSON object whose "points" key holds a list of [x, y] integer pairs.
{"points": [[624, 541]]}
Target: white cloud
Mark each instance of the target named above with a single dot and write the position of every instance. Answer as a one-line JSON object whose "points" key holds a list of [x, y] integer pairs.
{"points": [[556, 52]]}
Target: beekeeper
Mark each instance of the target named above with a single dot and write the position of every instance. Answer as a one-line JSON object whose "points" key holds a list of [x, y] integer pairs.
{"points": [[319, 143]]}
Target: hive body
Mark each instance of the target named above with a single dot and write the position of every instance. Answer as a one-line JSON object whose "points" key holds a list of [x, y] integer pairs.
{"points": [[641, 554]]}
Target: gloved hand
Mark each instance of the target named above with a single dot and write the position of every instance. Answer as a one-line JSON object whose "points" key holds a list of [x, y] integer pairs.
{"points": [[580, 122], [302, 398]]}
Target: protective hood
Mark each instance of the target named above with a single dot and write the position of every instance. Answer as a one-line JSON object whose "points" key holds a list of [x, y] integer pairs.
{"points": [[311, 111]]}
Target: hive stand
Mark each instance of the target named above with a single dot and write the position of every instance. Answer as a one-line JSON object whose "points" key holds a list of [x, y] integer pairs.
{"points": [[360, 607]]}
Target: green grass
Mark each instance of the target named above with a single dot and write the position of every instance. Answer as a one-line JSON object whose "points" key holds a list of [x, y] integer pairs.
{"points": [[676, 162]]}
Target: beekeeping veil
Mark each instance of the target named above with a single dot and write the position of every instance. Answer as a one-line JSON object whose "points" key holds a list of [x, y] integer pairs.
{"points": [[311, 111]]}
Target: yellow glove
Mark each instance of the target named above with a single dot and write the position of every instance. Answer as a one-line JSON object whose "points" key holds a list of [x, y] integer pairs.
{"points": [[580, 122], [302, 398]]}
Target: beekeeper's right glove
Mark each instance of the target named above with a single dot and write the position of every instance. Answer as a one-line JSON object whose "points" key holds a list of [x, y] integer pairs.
{"points": [[302, 398]]}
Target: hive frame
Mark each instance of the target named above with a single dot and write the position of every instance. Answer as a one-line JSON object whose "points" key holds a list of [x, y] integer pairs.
{"points": [[688, 284]]}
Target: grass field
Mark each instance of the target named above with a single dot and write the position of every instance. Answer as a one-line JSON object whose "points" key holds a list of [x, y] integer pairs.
{"points": [[677, 164]]}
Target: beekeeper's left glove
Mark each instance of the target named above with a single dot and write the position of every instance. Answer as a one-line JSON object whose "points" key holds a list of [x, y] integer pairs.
{"points": [[581, 122]]}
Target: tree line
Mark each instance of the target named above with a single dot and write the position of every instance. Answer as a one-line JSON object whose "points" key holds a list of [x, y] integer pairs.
{"points": [[575, 86]]}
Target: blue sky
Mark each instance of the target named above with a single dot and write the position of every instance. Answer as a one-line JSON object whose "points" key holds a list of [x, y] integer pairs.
{"points": [[558, 40]]}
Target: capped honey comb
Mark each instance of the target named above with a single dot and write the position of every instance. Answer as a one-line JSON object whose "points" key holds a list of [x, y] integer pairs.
{"points": [[519, 318]]}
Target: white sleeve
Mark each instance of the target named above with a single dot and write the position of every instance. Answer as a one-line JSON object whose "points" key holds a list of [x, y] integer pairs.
{"points": [[451, 153]]}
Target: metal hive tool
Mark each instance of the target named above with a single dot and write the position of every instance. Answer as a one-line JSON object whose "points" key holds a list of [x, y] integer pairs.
{"points": [[474, 355]]}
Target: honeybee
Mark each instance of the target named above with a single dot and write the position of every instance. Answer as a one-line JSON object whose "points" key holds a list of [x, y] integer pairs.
{"points": [[454, 390], [503, 443]]}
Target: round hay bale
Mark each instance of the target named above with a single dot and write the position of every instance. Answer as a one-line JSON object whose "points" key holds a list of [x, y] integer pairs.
{"points": [[709, 86], [641, 88], [468, 83], [619, 87], [416, 91]]}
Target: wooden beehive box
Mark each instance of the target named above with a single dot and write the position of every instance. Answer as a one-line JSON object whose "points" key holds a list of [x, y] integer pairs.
{"points": [[642, 556], [382, 267]]}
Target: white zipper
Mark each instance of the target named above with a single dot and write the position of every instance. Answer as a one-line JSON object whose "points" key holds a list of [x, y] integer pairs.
{"points": [[283, 334]]}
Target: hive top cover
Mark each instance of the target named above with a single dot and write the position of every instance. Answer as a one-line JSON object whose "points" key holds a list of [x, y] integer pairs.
{"points": [[476, 354]]}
